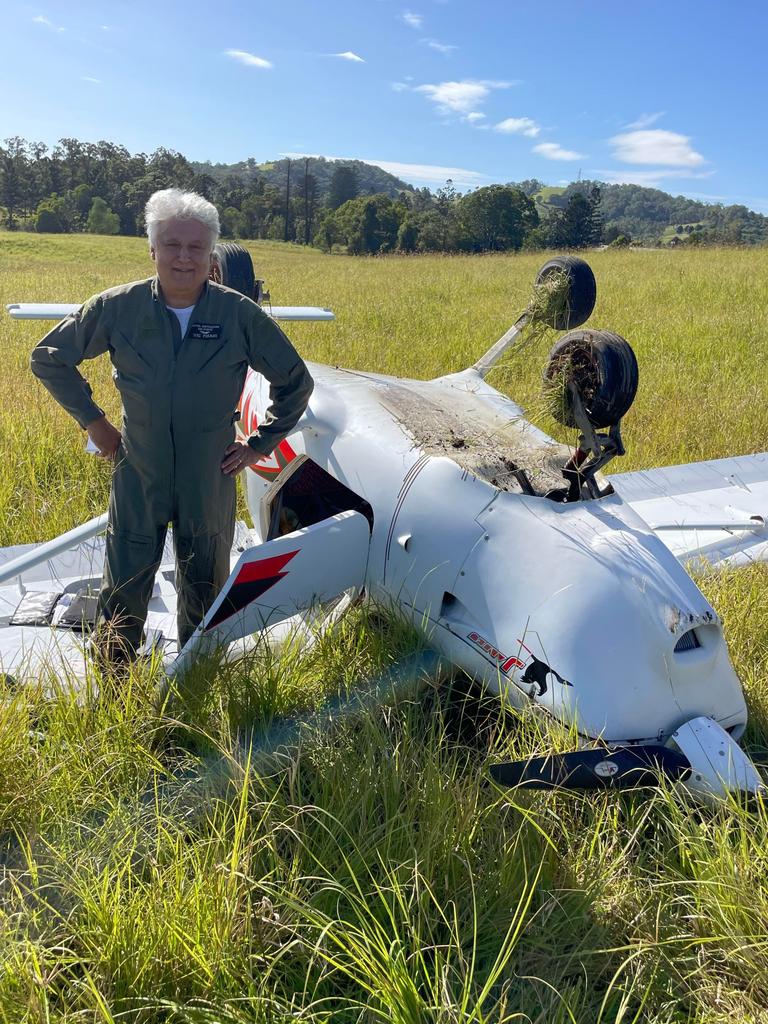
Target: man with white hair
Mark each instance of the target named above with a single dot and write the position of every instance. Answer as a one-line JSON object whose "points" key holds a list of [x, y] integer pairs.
{"points": [[180, 346]]}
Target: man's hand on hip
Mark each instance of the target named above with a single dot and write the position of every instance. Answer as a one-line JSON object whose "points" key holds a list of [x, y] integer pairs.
{"points": [[105, 436], [237, 457]]}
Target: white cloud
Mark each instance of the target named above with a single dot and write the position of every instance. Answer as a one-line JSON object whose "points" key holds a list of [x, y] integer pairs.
{"points": [[414, 20], [40, 19], [646, 120], [650, 179], [460, 97], [348, 55], [95, 81], [655, 147], [433, 174], [518, 126], [249, 59], [400, 86], [475, 115], [435, 44], [552, 151]]}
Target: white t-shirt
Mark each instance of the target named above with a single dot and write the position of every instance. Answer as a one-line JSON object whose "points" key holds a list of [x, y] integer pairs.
{"points": [[182, 315]]}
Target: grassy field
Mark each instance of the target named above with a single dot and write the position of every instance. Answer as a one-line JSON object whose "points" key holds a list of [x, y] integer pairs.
{"points": [[376, 876]]}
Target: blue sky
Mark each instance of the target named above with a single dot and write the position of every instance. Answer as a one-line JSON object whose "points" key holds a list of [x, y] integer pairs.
{"points": [[665, 94]]}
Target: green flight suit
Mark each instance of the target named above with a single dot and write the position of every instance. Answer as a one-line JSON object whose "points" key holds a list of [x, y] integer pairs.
{"points": [[179, 397]]}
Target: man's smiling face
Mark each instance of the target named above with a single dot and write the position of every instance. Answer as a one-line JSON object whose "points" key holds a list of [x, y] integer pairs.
{"points": [[182, 255]]}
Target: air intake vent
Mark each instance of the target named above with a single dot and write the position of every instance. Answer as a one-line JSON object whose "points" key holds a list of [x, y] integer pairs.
{"points": [[687, 642]]}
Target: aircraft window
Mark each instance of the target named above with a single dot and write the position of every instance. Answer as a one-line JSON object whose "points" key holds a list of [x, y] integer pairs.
{"points": [[309, 496]]}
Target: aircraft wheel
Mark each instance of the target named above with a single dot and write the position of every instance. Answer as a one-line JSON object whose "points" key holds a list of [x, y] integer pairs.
{"points": [[582, 290], [604, 369], [232, 266]]}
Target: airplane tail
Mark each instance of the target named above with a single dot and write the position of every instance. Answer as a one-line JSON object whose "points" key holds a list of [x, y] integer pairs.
{"points": [[275, 580]]}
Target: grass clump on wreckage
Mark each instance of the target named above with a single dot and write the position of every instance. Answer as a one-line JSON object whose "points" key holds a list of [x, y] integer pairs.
{"points": [[518, 560]]}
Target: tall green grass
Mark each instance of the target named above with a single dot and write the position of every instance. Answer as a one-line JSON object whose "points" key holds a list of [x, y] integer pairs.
{"points": [[208, 869]]}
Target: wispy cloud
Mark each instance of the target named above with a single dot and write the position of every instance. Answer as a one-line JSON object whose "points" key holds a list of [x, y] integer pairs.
{"points": [[432, 174], [348, 55], [400, 86], [656, 147], [552, 151], [475, 115], [518, 126], [462, 97], [435, 44], [645, 120], [88, 78], [414, 20], [249, 59], [40, 19], [651, 178]]}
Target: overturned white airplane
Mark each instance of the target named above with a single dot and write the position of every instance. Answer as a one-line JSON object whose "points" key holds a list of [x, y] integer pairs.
{"points": [[526, 567]]}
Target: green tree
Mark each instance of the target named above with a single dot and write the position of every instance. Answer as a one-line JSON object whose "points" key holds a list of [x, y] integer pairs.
{"points": [[234, 223], [102, 220], [327, 233], [343, 186], [408, 235], [530, 186], [496, 218], [368, 224], [579, 224], [51, 216], [80, 203], [436, 233], [13, 175]]}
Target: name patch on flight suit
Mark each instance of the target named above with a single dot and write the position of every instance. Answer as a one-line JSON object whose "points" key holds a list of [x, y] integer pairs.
{"points": [[205, 332]]}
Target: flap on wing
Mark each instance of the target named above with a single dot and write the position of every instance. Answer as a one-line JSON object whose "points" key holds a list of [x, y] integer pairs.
{"points": [[275, 580], [714, 512]]}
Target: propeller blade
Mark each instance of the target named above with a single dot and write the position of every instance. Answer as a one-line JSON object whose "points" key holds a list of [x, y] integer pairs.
{"points": [[623, 768]]}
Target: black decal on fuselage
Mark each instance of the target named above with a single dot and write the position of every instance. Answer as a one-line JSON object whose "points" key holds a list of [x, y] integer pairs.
{"points": [[537, 671]]}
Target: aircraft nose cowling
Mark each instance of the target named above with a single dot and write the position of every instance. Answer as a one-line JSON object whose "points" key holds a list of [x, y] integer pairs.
{"points": [[601, 623]]}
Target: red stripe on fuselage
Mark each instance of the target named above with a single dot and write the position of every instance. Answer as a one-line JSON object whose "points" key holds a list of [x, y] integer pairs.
{"points": [[264, 568]]}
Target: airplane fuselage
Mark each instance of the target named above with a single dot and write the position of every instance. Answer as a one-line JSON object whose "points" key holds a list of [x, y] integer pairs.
{"points": [[578, 607]]}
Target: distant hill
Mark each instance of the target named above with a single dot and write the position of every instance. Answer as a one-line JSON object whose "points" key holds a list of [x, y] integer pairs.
{"points": [[650, 215], [371, 179], [100, 186]]}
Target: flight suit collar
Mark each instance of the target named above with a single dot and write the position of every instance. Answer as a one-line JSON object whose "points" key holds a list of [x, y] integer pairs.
{"points": [[157, 292]]}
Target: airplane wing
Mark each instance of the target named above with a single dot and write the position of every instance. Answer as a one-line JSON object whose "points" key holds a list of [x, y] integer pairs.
{"points": [[48, 596], [715, 513], [47, 603], [58, 310]]}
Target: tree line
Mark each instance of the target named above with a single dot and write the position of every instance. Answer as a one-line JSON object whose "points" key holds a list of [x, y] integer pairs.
{"points": [[102, 188]]}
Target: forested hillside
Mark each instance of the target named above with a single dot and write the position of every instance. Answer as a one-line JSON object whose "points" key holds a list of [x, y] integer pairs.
{"points": [[370, 178], [357, 207]]}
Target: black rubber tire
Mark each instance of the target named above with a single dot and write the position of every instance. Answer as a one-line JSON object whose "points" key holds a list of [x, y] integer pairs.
{"points": [[605, 371], [233, 267], [582, 290]]}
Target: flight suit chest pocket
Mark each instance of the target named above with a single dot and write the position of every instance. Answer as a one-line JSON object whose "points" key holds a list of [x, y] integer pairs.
{"points": [[132, 355]]}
